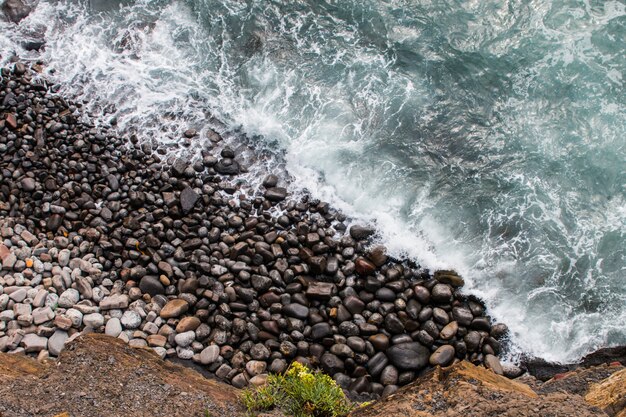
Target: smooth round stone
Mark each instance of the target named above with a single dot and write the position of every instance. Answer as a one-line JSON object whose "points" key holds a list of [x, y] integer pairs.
{"points": [[443, 356], [353, 304], [320, 331], [462, 315], [389, 390], [472, 340], [113, 327], [364, 267], [377, 363], [331, 364], [342, 350], [184, 339], [409, 356], [386, 295], [356, 344], [481, 324], [209, 354], [259, 380], [380, 341], [259, 352], [183, 353], [174, 308], [150, 284], [389, 375], [421, 294], [449, 331], [278, 366], [255, 367], [69, 298], [378, 255], [93, 320], [441, 293], [499, 330], [188, 323], [130, 320], [440, 316], [393, 324], [493, 363], [239, 381], [296, 310]]}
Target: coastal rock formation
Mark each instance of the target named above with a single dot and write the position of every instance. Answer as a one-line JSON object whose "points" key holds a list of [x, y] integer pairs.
{"points": [[467, 390]]}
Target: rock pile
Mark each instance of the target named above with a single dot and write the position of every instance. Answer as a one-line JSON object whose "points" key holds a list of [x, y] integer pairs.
{"points": [[102, 233]]}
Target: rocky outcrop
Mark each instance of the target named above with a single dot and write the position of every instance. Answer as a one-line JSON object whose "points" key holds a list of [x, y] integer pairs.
{"points": [[467, 390], [16, 10], [97, 375]]}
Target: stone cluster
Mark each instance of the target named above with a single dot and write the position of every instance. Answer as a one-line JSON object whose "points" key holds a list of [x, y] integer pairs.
{"points": [[103, 233]]}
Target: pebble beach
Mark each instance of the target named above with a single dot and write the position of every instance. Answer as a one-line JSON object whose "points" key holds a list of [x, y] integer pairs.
{"points": [[103, 234]]}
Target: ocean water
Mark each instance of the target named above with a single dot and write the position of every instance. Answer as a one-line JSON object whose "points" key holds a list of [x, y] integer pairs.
{"points": [[485, 136]]}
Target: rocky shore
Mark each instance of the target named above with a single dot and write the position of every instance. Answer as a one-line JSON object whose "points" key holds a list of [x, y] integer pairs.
{"points": [[101, 233]]}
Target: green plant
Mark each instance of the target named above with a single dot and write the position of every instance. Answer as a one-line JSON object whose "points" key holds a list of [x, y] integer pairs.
{"points": [[300, 392]]}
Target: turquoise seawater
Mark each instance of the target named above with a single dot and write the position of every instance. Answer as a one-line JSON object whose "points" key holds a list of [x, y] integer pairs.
{"points": [[486, 136]]}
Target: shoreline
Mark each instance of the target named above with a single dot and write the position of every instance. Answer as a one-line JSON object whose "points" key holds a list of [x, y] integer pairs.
{"points": [[132, 245], [69, 235]]}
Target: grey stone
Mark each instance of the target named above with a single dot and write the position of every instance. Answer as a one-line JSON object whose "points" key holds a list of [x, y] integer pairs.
{"points": [[188, 199], [185, 339], [42, 315], [93, 320], [57, 342], [130, 320], [113, 327], [68, 298], [19, 295], [209, 354], [409, 356], [115, 301], [33, 343]]}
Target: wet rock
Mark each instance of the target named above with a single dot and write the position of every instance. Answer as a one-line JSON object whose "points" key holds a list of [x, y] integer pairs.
{"points": [[409, 356], [441, 293], [188, 199], [443, 356], [361, 232], [331, 364], [16, 10], [364, 267], [150, 284], [296, 310], [449, 277], [276, 193], [493, 363]]}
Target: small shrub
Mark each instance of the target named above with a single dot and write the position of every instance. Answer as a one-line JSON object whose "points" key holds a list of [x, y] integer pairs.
{"points": [[300, 392]]}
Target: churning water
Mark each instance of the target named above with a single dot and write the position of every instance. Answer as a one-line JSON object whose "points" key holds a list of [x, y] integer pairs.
{"points": [[487, 136]]}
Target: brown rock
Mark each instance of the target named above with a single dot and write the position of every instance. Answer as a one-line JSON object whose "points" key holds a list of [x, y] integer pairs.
{"points": [[364, 267], [187, 323], [609, 394], [321, 290], [174, 308], [10, 120], [493, 363], [378, 255], [156, 340], [467, 390]]}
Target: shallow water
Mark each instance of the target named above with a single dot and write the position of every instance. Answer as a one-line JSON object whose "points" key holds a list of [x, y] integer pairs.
{"points": [[486, 136]]}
